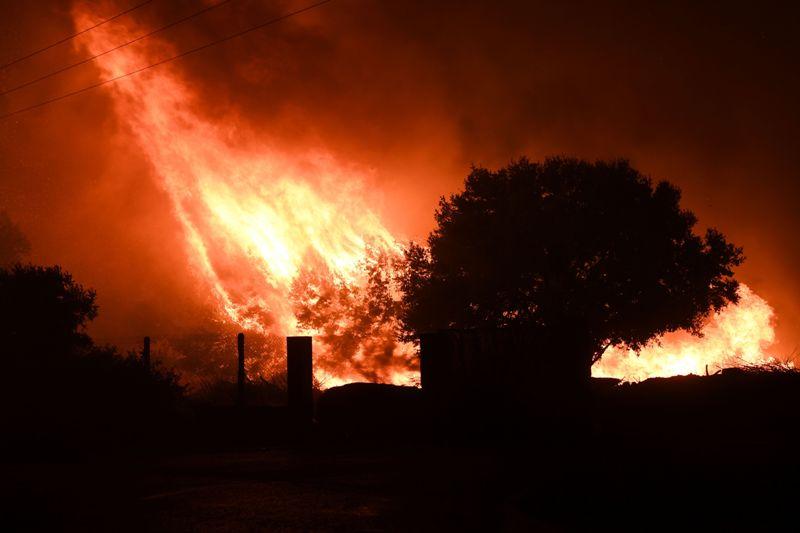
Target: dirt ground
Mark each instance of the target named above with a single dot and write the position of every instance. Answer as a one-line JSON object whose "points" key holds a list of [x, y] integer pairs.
{"points": [[263, 490], [403, 488]]}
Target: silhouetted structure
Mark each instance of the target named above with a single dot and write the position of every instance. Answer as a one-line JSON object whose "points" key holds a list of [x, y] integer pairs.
{"points": [[300, 378], [499, 373], [240, 377], [372, 411], [433, 364]]}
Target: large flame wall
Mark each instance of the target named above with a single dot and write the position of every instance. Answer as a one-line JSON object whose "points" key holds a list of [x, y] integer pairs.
{"points": [[255, 216], [740, 334]]}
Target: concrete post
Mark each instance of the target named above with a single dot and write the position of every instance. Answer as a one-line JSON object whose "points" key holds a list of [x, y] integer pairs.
{"points": [[300, 379]]}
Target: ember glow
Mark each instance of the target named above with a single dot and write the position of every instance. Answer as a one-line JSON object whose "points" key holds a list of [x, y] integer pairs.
{"points": [[269, 229]]}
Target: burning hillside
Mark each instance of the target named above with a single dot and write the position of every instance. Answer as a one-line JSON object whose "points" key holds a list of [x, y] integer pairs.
{"points": [[288, 243], [269, 233], [740, 334]]}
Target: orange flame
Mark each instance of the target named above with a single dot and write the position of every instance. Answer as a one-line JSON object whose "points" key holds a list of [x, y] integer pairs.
{"points": [[256, 216], [740, 334]]}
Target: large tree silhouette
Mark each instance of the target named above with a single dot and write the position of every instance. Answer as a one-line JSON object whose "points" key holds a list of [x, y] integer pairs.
{"points": [[588, 254]]}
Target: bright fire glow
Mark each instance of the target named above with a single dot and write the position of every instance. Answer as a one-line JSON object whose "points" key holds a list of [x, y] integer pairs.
{"points": [[738, 334], [256, 216]]}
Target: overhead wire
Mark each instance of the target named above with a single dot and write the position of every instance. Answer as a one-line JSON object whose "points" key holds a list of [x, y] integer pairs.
{"points": [[167, 60], [115, 48], [81, 32]]}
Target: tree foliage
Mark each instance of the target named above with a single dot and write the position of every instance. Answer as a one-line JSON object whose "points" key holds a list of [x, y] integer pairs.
{"points": [[589, 254], [63, 394], [43, 311], [355, 320]]}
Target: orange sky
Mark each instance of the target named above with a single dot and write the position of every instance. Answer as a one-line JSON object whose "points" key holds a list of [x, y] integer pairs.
{"points": [[411, 94]]}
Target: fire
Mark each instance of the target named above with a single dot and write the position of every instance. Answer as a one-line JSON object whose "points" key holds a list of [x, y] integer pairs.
{"points": [[263, 224], [255, 216], [740, 334]]}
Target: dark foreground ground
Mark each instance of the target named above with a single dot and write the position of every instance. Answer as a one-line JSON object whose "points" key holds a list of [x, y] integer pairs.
{"points": [[693, 454], [403, 489], [268, 490]]}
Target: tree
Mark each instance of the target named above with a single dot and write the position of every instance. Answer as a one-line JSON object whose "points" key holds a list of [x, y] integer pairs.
{"points": [[356, 321], [63, 393], [43, 311], [13, 244], [587, 254]]}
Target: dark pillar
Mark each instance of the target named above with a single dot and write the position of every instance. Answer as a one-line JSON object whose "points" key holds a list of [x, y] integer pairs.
{"points": [[437, 373], [240, 376], [146, 353], [432, 355], [300, 378]]}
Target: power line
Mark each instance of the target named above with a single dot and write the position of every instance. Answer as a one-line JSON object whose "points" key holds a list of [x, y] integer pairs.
{"points": [[136, 40], [65, 39], [167, 60]]}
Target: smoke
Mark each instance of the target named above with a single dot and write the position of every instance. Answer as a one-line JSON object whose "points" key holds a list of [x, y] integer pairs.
{"points": [[411, 93], [13, 244]]}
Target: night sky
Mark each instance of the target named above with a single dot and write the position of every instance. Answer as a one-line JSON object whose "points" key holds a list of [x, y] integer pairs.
{"points": [[413, 92]]}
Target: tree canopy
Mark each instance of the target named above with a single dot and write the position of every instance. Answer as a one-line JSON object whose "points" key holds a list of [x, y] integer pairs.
{"points": [[63, 393], [590, 254], [43, 311]]}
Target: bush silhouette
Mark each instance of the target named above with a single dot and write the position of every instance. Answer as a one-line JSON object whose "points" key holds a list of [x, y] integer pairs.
{"points": [[587, 254], [43, 312], [63, 393]]}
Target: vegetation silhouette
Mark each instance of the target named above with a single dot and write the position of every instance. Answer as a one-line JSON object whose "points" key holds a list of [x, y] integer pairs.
{"points": [[588, 254], [44, 312], [64, 394], [372, 412], [695, 437]]}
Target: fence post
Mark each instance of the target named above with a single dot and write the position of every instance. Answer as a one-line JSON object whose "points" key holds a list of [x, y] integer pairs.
{"points": [[240, 378], [299, 365], [146, 353]]}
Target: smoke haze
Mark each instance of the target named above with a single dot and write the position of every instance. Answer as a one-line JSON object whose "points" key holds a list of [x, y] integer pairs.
{"points": [[410, 94]]}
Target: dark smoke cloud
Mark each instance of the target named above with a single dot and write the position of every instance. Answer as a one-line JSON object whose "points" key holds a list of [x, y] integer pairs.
{"points": [[703, 95]]}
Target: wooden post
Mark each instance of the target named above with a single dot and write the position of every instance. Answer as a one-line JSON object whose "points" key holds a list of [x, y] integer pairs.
{"points": [[300, 379], [240, 376], [146, 353]]}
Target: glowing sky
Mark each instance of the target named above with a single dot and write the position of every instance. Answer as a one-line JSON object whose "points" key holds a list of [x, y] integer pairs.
{"points": [[409, 94]]}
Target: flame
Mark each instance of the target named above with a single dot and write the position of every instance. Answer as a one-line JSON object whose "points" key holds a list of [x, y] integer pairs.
{"points": [[739, 334], [254, 216]]}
